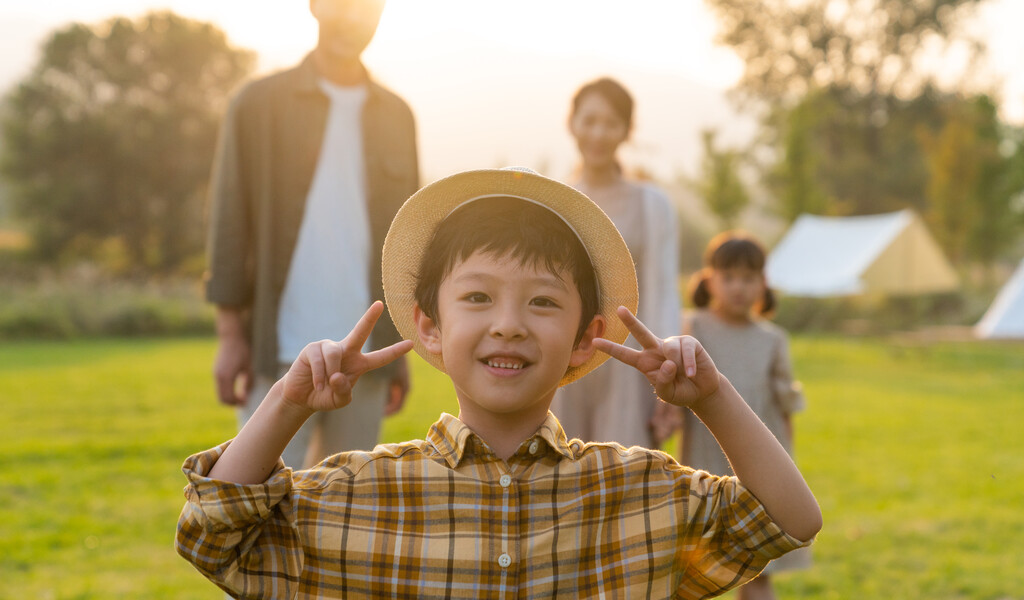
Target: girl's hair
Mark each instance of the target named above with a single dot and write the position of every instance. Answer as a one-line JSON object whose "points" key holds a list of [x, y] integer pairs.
{"points": [[613, 92], [729, 250]]}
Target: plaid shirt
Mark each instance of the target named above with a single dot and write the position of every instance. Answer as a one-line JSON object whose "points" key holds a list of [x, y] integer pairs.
{"points": [[446, 518]]}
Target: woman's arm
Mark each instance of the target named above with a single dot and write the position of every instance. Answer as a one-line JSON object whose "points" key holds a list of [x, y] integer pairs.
{"points": [[660, 293]]}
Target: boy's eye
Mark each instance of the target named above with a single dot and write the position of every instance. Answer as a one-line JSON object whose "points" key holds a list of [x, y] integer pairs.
{"points": [[544, 301], [476, 297]]}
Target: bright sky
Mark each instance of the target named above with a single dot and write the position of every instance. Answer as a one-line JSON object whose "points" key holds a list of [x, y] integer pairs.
{"points": [[491, 80], [673, 34]]}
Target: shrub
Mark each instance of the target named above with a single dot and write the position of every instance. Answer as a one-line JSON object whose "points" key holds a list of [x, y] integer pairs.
{"points": [[81, 304]]}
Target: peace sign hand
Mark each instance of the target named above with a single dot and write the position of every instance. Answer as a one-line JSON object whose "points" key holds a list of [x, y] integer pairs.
{"points": [[679, 368], [323, 375]]}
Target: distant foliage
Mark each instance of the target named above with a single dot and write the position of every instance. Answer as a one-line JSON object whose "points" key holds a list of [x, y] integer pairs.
{"points": [[853, 121], [76, 306], [108, 141], [719, 182], [872, 48], [974, 167]]}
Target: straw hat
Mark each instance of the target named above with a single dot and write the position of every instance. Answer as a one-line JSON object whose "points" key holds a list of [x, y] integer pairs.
{"points": [[413, 228]]}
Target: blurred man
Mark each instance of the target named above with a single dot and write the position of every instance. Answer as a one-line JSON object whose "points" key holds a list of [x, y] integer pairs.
{"points": [[312, 165]]}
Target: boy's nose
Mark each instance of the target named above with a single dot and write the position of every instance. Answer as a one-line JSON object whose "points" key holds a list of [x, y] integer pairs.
{"points": [[508, 325]]}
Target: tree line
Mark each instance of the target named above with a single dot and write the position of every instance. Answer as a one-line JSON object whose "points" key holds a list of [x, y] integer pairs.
{"points": [[107, 143], [109, 139], [853, 121]]}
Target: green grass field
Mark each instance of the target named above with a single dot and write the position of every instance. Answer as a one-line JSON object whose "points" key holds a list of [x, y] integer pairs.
{"points": [[915, 454]]}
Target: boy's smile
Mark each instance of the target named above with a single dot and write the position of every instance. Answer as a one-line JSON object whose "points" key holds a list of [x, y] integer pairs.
{"points": [[505, 332]]}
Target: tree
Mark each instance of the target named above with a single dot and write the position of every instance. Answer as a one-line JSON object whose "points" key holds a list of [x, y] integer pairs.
{"points": [[719, 182], [821, 160], [109, 139], [870, 48], [853, 120], [794, 177], [972, 183], [842, 91]]}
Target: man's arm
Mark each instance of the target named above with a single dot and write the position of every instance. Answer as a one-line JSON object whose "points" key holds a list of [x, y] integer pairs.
{"points": [[230, 236], [683, 374], [232, 367], [228, 284], [321, 378]]}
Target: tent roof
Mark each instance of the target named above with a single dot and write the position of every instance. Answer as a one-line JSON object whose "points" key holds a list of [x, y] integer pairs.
{"points": [[890, 253], [1005, 317]]}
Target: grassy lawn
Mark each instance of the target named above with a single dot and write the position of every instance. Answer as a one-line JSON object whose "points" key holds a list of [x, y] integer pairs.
{"points": [[915, 454]]}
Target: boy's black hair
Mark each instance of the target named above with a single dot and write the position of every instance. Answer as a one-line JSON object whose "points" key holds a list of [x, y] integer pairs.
{"points": [[507, 226], [729, 250]]}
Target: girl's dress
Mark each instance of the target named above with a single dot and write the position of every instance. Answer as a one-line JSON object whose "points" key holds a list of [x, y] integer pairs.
{"points": [[615, 402], [755, 358]]}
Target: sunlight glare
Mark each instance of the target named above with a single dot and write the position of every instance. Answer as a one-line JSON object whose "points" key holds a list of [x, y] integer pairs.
{"points": [[664, 35]]}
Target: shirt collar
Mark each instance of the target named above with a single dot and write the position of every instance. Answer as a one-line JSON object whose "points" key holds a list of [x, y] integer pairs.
{"points": [[451, 438], [309, 78]]}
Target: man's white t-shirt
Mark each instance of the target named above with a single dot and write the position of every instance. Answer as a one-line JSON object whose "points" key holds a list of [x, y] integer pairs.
{"points": [[328, 286]]}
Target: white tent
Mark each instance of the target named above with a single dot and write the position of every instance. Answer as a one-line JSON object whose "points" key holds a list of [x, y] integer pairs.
{"points": [[891, 253], [1005, 317]]}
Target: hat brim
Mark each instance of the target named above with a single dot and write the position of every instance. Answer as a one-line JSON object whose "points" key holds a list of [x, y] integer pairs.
{"points": [[413, 228]]}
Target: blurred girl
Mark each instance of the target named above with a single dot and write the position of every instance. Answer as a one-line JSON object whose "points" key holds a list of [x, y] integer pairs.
{"points": [[615, 402], [731, 296]]}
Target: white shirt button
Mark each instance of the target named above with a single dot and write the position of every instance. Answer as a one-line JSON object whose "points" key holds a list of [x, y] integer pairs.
{"points": [[534, 446], [505, 481], [504, 561]]}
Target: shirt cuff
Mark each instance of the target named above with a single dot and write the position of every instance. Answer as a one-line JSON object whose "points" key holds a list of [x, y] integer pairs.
{"points": [[225, 506]]}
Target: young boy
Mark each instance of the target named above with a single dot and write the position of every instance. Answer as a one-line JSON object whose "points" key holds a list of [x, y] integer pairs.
{"points": [[510, 283]]}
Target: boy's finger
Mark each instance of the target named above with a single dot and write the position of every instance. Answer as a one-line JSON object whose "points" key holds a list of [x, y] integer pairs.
{"points": [[333, 353], [361, 332], [623, 354], [640, 331], [379, 358], [688, 347], [341, 386], [316, 365], [667, 371], [667, 375]]}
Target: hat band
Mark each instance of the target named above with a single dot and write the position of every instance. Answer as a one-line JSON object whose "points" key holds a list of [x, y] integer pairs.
{"points": [[597, 282]]}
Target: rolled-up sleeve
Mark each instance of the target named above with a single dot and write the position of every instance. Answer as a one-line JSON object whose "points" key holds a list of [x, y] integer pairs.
{"points": [[728, 538], [241, 537]]}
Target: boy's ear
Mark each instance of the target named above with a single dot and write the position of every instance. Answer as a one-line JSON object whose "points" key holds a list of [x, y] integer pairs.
{"points": [[428, 331], [585, 349]]}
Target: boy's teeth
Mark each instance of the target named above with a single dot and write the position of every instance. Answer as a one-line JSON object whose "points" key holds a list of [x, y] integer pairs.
{"points": [[504, 365]]}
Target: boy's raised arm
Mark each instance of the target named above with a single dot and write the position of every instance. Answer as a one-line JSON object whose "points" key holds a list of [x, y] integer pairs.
{"points": [[683, 374], [321, 378]]}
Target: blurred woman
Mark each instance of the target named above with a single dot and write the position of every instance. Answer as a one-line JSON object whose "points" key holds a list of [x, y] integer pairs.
{"points": [[615, 402]]}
